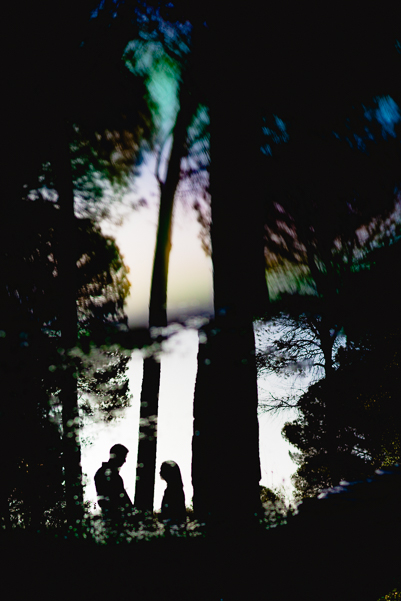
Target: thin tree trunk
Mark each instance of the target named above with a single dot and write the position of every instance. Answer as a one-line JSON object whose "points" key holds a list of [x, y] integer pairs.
{"points": [[67, 309], [146, 463]]}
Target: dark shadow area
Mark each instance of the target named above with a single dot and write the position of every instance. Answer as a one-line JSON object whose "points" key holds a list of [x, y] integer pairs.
{"points": [[338, 545], [286, 143]]}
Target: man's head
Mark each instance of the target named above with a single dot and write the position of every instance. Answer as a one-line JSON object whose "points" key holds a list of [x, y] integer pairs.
{"points": [[118, 454]]}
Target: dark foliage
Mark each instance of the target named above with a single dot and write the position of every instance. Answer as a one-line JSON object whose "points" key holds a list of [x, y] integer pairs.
{"points": [[338, 546], [350, 423], [31, 350]]}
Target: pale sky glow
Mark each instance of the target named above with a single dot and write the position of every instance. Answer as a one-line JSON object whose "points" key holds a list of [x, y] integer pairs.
{"points": [[190, 284], [175, 420]]}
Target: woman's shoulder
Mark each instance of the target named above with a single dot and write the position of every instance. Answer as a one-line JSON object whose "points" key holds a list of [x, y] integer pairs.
{"points": [[173, 499]]}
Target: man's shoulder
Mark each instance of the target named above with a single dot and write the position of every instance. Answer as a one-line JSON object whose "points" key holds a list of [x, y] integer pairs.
{"points": [[102, 471]]}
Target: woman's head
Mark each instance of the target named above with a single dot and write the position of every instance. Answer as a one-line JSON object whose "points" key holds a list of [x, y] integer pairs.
{"points": [[170, 472]]}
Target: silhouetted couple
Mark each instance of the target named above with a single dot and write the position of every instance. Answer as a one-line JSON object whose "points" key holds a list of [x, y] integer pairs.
{"points": [[116, 506]]}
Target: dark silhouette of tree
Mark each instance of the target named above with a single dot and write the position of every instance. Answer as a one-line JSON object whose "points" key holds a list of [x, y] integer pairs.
{"points": [[316, 237], [225, 442], [359, 403], [297, 331], [30, 345], [91, 99]]}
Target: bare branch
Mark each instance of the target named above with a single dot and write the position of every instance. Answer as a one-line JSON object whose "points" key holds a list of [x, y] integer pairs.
{"points": [[276, 404]]}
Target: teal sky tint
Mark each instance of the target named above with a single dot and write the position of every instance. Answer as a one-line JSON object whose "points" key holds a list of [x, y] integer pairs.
{"points": [[148, 59], [95, 12], [281, 125], [198, 152], [276, 136], [386, 112], [200, 124], [160, 63]]}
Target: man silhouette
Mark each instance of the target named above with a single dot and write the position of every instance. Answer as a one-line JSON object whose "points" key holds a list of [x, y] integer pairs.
{"points": [[112, 497]]}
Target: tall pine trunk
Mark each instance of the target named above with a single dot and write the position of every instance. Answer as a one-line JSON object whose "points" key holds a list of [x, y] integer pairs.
{"points": [[146, 463], [225, 463]]}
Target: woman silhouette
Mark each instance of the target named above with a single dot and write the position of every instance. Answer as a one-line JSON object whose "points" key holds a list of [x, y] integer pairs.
{"points": [[173, 512]]}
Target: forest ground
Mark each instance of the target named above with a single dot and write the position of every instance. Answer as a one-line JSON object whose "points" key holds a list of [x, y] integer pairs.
{"points": [[296, 561]]}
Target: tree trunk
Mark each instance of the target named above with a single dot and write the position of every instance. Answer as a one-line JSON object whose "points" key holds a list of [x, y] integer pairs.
{"points": [[146, 463], [66, 267], [225, 465]]}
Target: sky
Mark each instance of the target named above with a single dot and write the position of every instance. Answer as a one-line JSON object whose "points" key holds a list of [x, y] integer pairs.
{"points": [[190, 286]]}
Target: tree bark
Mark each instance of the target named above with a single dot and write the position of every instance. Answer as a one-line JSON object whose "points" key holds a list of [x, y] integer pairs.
{"points": [[226, 465], [66, 268]]}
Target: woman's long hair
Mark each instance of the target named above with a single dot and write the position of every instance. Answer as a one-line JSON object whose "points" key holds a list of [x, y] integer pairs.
{"points": [[170, 472]]}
